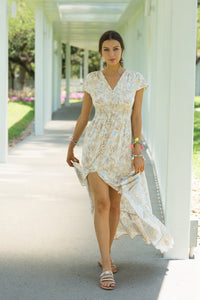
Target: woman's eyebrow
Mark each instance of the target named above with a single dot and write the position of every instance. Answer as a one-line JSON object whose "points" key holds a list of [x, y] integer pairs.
{"points": [[113, 47]]}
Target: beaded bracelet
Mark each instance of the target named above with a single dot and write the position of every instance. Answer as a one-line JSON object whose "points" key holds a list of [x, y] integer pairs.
{"points": [[137, 155], [75, 143], [136, 140], [132, 146]]}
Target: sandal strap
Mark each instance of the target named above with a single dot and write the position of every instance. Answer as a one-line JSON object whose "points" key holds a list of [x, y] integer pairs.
{"points": [[111, 281], [107, 276], [106, 273], [107, 279]]}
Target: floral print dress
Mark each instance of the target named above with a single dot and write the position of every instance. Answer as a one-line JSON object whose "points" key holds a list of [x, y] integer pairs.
{"points": [[106, 150]]}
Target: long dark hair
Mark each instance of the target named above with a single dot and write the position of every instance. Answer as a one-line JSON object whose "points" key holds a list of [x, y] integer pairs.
{"points": [[111, 35]]}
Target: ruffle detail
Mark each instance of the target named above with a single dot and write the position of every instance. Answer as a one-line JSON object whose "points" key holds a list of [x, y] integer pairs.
{"points": [[87, 85], [141, 82]]}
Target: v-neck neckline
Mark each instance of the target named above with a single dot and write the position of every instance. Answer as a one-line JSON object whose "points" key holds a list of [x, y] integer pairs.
{"points": [[108, 82]]}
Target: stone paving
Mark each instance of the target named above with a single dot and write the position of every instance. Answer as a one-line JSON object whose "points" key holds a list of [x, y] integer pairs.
{"points": [[48, 243]]}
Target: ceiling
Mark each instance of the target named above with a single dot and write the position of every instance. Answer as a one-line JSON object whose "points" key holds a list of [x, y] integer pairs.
{"points": [[81, 22]]}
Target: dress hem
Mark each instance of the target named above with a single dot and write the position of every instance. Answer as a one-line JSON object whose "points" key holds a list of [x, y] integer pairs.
{"points": [[136, 218]]}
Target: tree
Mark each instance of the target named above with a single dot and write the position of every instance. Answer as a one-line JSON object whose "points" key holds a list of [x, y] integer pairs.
{"points": [[77, 55], [21, 43]]}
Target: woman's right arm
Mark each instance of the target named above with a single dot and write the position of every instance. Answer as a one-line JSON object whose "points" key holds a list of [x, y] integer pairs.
{"points": [[80, 126]]}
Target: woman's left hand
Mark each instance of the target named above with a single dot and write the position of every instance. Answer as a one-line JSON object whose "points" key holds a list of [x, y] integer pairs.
{"points": [[138, 163]]}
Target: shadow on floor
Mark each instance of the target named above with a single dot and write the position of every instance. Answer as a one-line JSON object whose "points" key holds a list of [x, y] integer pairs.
{"points": [[70, 113]]}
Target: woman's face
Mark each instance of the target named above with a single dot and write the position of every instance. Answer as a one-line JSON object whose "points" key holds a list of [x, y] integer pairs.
{"points": [[111, 52]]}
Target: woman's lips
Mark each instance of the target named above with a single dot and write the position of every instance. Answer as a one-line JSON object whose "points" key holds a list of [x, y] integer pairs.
{"points": [[112, 59]]}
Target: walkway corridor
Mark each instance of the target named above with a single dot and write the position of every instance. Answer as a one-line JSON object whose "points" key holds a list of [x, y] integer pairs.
{"points": [[48, 244]]}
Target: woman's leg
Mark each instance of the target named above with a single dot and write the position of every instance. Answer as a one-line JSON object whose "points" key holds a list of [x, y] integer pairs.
{"points": [[101, 198], [115, 198], [114, 216]]}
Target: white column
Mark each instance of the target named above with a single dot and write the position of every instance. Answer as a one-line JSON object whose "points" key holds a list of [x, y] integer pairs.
{"points": [[50, 70], [55, 74], [85, 62], [4, 81], [39, 71], [59, 65], [101, 63], [47, 71], [81, 70], [180, 123], [68, 72]]}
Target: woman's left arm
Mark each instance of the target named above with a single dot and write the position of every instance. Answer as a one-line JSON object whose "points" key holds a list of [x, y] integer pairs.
{"points": [[136, 121]]}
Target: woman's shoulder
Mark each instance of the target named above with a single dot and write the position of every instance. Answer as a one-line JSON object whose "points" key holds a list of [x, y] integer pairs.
{"points": [[93, 74], [90, 81], [133, 73]]}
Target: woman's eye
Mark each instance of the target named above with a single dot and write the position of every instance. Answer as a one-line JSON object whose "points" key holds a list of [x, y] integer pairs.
{"points": [[116, 49]]}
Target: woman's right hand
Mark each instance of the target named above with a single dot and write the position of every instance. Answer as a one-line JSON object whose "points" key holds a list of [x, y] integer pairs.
{"points": [[71, 157]]}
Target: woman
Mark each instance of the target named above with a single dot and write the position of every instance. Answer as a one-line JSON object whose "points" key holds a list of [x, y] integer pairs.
{"points": [[112, 166]]}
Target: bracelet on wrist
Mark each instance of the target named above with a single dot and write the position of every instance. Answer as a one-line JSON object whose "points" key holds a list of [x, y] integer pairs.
{"points": [[137, 155], [74, 142], [136, 141], [133, 145]]}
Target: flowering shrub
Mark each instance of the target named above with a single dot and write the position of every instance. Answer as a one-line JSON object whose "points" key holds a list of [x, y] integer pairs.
{"points": [[28, 95], [21, 95], [72, 96]]}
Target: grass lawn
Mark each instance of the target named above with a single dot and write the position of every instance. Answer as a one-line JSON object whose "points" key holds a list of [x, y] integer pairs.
{"points": [[75, 100], [197, 102], [20, 114]]}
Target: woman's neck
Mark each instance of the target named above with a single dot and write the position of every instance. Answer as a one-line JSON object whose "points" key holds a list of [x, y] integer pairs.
{"points": [[113, 69]]}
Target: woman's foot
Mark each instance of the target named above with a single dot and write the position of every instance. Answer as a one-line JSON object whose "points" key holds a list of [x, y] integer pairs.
{"points": [[113, 266], [107, 281]]}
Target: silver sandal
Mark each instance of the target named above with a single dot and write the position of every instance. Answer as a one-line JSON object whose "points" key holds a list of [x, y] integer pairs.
{"points": [[113, 266], [107, 276]]}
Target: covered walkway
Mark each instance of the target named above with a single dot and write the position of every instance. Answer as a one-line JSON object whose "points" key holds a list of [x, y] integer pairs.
{"points": [[160, 40], [48, 244]]}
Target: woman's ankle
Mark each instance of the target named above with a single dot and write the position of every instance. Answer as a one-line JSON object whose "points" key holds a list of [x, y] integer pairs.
{"points": [[106, 265]]}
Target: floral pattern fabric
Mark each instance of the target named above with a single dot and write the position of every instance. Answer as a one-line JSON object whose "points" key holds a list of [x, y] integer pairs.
{"points": [[106, 150]]}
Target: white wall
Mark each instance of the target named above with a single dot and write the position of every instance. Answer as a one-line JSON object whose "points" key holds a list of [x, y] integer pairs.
{"points": [[157, 113], [142, 54], [133, 34]]}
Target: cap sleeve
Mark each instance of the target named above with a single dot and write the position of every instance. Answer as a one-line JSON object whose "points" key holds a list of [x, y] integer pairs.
{"points": [[87, 85], [141, 82]]}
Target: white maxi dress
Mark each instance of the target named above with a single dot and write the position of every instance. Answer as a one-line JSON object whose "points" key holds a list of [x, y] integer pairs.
{"points": [[106, 150]]}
